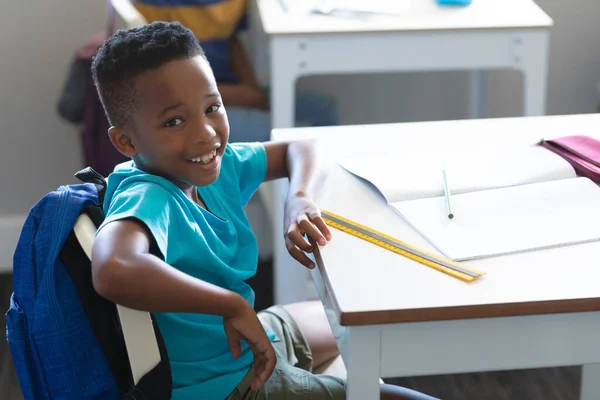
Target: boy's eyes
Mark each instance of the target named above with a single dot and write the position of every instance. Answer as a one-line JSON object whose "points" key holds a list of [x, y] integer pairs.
{"points": [[173, 122], [213, 108], [178, 121]]}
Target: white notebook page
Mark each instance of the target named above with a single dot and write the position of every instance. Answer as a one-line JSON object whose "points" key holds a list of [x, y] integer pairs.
{"points": [[508, 220], [401, 177]]}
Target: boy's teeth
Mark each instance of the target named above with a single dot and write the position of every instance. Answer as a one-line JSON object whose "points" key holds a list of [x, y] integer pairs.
{"points": [[206, 158]]}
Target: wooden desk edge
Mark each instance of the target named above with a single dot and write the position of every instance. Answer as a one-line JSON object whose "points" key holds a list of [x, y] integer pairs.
{"points": [[468, 312], [361, 318]]}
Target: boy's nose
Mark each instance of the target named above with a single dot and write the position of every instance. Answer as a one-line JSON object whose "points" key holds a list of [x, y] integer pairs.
{"points": [[204, 133]]}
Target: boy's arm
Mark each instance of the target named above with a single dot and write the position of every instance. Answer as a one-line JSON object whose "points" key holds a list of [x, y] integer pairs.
{"points": [[299, 161], [247, 92], [126, 273]]}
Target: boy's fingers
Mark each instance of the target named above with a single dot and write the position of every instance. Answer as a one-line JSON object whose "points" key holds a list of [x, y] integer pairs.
{"points": [[257, 381], [261, 374], [266, 371], [268, 362], [235, 347], [322, 226], [300, 256], [264, 364], [295, 239], [312, 231], [233, 340], [271, 362]]}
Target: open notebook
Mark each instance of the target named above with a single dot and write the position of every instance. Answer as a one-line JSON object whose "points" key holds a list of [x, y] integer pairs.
{"points": [[504, 201]]}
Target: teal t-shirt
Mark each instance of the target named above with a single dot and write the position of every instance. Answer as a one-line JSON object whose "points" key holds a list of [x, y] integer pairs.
{"points": [[216, 246]]}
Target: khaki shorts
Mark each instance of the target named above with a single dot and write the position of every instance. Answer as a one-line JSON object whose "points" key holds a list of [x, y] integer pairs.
{"points": [[292, 378]]}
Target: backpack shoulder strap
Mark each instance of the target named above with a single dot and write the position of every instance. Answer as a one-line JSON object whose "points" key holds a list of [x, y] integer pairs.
{"points": [[89, 175]]}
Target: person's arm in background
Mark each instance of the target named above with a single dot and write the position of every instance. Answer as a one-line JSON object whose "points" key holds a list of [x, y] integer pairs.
{"points": [[247, 92], [240, 63]]}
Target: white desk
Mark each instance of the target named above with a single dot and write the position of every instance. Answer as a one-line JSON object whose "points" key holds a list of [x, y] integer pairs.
{"points": [[393, 317], [489, 34]]}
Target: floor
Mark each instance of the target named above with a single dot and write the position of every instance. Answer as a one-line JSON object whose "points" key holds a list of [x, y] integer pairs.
{"points": [[539, 384]]}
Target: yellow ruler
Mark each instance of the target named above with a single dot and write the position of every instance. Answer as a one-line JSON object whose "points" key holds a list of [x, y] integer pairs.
{"points": [[437, 262]]}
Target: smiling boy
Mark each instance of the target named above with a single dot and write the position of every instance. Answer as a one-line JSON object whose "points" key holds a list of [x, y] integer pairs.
{"points": [[176, 241]]}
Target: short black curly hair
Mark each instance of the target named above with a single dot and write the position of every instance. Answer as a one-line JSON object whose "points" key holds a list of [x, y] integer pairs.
{"points": [[130, 52]]}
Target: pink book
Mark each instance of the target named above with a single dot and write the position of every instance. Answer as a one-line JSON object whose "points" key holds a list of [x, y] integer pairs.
{"points": [[582, 152]]}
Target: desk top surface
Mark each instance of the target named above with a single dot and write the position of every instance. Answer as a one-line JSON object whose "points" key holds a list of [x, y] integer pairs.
{"points": [[421, 15], [370, 285]]}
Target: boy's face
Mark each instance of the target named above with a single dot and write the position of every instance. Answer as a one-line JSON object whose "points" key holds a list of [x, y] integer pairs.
{"points": [[180, 129]]}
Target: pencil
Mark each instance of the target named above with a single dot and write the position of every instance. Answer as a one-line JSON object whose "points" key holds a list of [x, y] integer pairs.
{"points": [[447, 195], [284, 5]]}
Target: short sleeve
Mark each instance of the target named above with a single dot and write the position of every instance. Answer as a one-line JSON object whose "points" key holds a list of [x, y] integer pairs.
{"points": [[250, 160], [148, 203]]}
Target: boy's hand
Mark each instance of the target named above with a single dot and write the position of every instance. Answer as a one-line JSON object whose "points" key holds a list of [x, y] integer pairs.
{"points": [[302, 216], [245, 325]]}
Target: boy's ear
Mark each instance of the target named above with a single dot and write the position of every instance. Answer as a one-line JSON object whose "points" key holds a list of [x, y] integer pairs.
{"points": [[120, 138]]}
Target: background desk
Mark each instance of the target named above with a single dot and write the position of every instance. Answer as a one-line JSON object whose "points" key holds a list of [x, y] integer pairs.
{"points": [[392, 317], [507, 34]]}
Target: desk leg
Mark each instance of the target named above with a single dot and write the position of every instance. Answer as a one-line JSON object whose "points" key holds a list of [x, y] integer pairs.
{"points": [[290, 278], [283, 84], [477, 94], [363, 361], [590, 382], [533, 58]]}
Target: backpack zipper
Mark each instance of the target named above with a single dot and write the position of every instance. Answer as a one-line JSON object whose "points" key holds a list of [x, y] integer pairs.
{"points": [[50, 287]]}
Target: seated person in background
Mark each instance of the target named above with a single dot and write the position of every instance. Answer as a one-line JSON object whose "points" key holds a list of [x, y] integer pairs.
{"points": [[217, 24], [176, 241]]}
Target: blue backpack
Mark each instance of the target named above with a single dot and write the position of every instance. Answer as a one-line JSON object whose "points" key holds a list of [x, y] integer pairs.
{"points": [[66, 341]]}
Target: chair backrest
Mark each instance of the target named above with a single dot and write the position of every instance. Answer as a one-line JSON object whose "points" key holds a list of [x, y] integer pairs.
{"points": [[138, 331], [131, 339]]}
